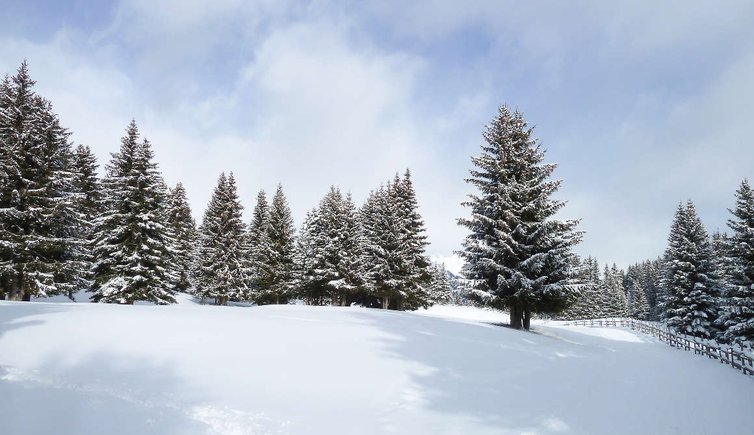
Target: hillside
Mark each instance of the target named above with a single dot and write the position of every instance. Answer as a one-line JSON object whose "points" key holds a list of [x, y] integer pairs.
{"points": [[185, 369]]}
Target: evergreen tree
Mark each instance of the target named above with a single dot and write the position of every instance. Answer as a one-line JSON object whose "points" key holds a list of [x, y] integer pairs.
{"points": [[223, 270], [589, 303], [183, 230], [690, 304], [439, 289], [415, 269], [310, 285], [133, 246], [87, 185], [38, 219], [278, 267], [334, 250], [615, 303], [738, 318], [517, 256], [259, 243], [638, 308], [381, 248]]}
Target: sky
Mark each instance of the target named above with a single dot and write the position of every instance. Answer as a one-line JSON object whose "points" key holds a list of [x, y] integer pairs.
{"points": [[641, 104]]}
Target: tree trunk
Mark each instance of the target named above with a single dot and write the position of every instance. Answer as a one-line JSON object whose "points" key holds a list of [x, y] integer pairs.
{"points": [[527, 318], [16, 293], [277, 299], [385, 302], [515, 316]]}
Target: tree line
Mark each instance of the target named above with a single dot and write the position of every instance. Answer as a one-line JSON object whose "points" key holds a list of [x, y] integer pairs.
{"points": [[518, 257], [129, 237], [702, 286]]}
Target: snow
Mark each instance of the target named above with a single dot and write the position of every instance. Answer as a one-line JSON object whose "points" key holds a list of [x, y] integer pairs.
{"points": [[79, 368]]}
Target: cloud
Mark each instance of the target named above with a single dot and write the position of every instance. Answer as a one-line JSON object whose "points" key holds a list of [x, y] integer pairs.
{"points": [[642, 105]]}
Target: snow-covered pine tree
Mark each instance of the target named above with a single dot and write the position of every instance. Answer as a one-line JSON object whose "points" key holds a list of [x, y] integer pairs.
{"points": [[133, 245], [439, 290], [738, 316], [38, 219], [308, 283], [278, 267], [183, 230], [517, 256], [381, 238], [88, 206], [615, 303], [588, 304], [691, 288], [415, 268], [223, 271], [259, 244], [334, 250], [638, 308]]}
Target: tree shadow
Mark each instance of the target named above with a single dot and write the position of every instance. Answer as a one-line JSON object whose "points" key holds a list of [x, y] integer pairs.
{"points": [[482, 372], [11, 314], [103, 394]]}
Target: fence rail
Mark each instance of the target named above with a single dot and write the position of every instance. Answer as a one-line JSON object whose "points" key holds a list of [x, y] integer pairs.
{"points": [[741, 359]]}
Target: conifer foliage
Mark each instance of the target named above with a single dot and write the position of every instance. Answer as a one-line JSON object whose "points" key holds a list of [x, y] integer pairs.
{"points": [[133, 246], [38, 219], [183, 231], [738, 320], [223, 269], [397, 269], [330, 265], [517, 256], [276, 265], [690, 303]]}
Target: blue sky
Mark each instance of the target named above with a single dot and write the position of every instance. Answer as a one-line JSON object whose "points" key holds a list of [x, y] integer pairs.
{"points": [[642, 104]]}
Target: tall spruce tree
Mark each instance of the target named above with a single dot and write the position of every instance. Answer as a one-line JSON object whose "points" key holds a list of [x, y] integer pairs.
{"points": [[133, 245], [589, 302], [517, 255], [278, 266], [738, 318], [415, 270], [223, 271], [615, 302], [259, 244], [379, 228], [439, 290], [333, 263], [88, 206], [183, 230], [38, 219], [691, 289]]}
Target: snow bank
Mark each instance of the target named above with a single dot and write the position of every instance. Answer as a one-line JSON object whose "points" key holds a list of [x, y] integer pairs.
{"points": [[194, 369]]}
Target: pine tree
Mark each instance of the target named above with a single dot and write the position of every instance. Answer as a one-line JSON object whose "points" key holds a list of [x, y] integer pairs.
{"points": [[133, 246], [415, 270], [38, 219], [381, 249], [89, 207], [439, 290], [614, 296], [638, 308], [690, 303], [259, 244], [738, 318], [183, 230], [309, 284], [517, 256], [589, 302], [331, 235], [223, 272], [278, 267]]}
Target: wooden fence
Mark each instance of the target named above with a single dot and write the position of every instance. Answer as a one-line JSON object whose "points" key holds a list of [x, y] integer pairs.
{"points": [[741, 359]]}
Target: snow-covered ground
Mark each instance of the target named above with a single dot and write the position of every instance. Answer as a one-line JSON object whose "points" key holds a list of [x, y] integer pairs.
{"points": [[70, 368]]}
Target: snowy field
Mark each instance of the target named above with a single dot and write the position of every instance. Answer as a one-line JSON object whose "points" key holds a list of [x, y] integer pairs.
{"points": [[70, 368]]}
